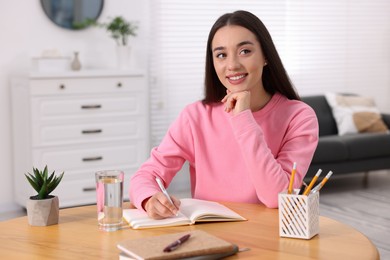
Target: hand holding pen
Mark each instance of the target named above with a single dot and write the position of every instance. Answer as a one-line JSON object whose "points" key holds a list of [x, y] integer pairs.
{"points": [[161, 205]]}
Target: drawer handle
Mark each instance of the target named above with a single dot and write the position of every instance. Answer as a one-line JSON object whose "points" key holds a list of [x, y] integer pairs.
{"points": [[93, 131], [91, 106], [62, 86], [89, 189], [119, 85], [89, 159]]}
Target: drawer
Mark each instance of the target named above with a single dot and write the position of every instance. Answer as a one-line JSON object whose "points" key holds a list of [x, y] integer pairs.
{"points": [[81, 192], [80, 123], [130, 155], [130, 128], [83, 107], [69, 86]]}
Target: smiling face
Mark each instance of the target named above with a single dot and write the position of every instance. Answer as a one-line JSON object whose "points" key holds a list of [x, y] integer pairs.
{"points": [[238, 59]]}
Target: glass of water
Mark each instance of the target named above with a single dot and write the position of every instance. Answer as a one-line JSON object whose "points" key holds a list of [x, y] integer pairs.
{"points": [[109, 195]]}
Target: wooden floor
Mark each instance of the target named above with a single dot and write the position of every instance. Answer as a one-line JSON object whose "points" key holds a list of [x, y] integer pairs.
{"points": [[347, 200], [367, 209]]}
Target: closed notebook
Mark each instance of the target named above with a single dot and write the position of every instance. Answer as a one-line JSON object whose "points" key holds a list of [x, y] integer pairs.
{"points": [[191, 212], [201, 245]]}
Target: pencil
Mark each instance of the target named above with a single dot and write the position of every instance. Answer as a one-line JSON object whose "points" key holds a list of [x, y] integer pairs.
{"points": [[322, 183], [290, 186], [313, 181], [302, 189]]}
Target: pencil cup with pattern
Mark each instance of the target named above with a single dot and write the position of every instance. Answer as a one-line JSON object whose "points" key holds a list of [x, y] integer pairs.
{"points": [[109, 195], [298, 215]]}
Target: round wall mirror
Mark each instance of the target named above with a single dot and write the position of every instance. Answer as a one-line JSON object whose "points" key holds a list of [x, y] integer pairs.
{"points": [[72, 14]]}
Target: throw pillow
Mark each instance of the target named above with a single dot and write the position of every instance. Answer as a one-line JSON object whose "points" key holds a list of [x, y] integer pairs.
{"points": [[355, 114]]}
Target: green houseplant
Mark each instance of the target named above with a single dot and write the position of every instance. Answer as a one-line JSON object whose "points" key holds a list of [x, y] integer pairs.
{"points": [[43, 208], [119, 29]]}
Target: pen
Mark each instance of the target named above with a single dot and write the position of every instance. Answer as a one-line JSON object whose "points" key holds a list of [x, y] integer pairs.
{"points": [[313, 181], [162, 188], [322, 183], [177, 243], [290, 186]]}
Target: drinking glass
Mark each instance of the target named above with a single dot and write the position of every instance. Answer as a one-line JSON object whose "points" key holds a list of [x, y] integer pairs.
{"points": [[109, 195]]}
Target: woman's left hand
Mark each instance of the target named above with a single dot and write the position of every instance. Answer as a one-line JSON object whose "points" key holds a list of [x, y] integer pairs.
{"points": [[236, 102]]}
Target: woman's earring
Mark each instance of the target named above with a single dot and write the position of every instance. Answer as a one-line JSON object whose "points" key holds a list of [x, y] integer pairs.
{"points": [[265, 63]]}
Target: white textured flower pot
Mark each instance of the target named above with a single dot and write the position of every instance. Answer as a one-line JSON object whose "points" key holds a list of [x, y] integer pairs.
{"points": [[43, 212], [123, 55]]}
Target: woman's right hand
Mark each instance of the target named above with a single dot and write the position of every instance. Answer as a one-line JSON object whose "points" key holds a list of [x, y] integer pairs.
{"points": [[159, 207], [236, 102]]}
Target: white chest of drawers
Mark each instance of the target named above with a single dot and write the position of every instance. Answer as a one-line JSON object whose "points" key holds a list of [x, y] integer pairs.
{"points": [[80, 123]]}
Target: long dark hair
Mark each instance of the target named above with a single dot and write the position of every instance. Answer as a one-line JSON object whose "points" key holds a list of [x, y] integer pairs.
{"points": [[275, 78]]}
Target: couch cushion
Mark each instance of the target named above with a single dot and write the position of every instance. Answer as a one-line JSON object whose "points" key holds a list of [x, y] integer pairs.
{"points": [[326, 122], [355, 114], [330, 149], [367, 145]]}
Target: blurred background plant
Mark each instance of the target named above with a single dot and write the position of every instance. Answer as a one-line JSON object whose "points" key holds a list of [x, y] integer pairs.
{"points": [[119, 29]]}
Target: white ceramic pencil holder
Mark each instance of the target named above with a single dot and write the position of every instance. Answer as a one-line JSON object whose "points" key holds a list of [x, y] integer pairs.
{"points": [[298, 215]]}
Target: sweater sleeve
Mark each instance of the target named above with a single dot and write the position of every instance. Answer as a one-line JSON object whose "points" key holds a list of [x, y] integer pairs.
{"points": [[270, 173], [164, 161]]}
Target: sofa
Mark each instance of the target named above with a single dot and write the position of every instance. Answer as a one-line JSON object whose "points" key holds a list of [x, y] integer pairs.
{"points": [[349, 153]]}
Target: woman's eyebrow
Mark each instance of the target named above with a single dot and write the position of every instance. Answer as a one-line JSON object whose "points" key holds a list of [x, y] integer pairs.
{"points": [[238, 45], [218, 48], [245, 43]]}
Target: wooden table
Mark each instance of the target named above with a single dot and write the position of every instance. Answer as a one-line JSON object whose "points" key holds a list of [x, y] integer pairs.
{"points": [[77, 237]]}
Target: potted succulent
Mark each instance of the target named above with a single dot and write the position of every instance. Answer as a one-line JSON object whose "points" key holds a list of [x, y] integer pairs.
{"points": [[43, 208]]}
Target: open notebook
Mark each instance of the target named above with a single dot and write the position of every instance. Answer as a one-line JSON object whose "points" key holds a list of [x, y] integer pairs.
{"points": [[191, 211]]}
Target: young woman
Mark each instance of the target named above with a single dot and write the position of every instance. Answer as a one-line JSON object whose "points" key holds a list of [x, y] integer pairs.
{"points": [[240, 141]]}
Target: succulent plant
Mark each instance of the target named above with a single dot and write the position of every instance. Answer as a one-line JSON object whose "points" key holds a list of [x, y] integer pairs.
{"points": [[43, 183]]}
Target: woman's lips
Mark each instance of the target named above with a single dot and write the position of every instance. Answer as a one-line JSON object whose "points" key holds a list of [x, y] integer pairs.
{"points": [[236, 79]]}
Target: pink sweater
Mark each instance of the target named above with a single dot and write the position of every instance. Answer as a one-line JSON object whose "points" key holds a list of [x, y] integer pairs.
{"points": [[243, 158]]}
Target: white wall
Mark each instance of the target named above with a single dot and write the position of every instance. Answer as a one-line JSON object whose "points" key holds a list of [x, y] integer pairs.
{"points": [[26, 32]]}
